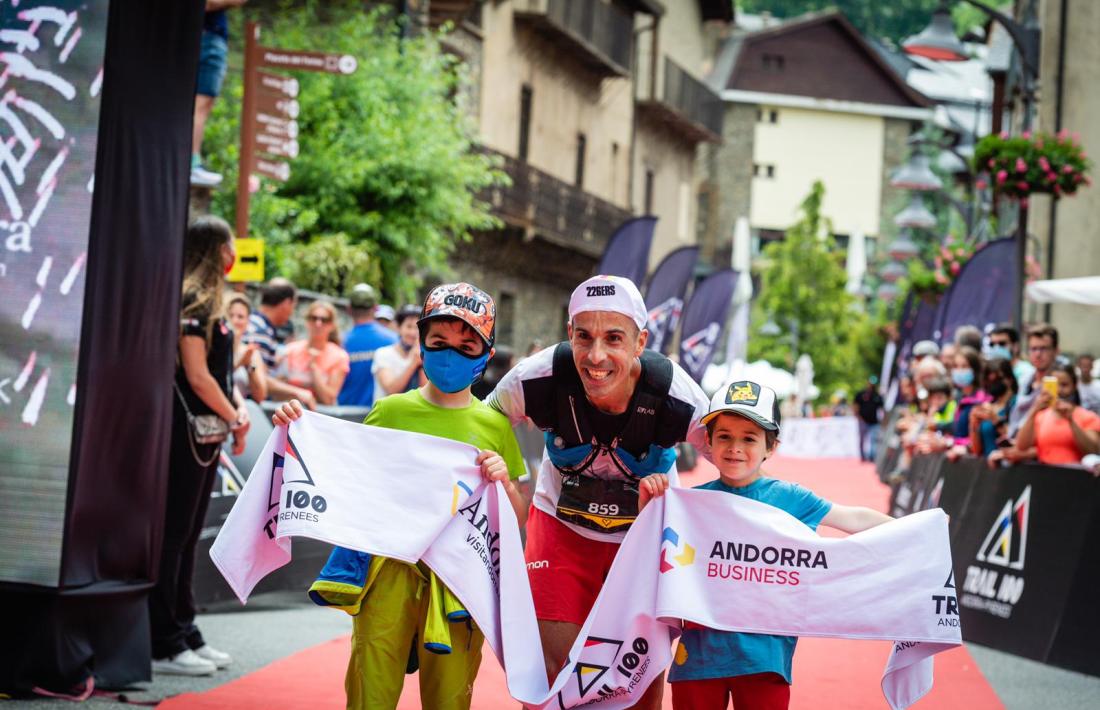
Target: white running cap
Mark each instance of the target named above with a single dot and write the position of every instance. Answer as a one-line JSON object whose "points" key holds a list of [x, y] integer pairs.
{"points": [[609, 293]]}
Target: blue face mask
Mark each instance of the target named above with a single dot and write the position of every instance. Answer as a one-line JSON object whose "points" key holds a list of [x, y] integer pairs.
{"points": [[962, 378], [999, 351], [452, 371]]}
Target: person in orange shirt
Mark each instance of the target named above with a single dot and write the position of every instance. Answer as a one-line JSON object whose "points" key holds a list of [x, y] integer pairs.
{"points": [[1061, 430], [318, 363]]}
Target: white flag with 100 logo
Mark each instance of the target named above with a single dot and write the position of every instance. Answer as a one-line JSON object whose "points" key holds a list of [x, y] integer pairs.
{"points": [[712, 558]]}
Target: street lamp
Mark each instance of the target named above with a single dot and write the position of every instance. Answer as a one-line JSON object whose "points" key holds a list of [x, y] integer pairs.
{"points": [[938, 41], [916, 174], [916, 215]]}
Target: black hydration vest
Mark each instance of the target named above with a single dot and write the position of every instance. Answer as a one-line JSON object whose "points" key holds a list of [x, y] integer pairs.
{"points": [[558, 405]]}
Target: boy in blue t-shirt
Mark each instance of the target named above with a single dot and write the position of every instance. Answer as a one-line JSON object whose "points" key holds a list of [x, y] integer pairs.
{"points": [[712, 666]]}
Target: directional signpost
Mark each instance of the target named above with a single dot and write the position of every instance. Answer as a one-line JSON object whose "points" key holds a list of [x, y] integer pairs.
{"points": [[269, 127]]}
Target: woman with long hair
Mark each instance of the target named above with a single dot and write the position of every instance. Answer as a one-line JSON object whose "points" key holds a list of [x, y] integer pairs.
{"points": [[206, 410], [1061, 430], [318, 363], [989, 421]]}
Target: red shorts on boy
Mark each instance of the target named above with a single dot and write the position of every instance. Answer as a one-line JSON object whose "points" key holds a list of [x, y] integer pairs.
{"points": [[566, 570], [759, 691]]}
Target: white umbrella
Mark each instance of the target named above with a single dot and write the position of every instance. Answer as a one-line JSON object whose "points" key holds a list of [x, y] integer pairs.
{"points": [[856, 262], [1084, 290]]}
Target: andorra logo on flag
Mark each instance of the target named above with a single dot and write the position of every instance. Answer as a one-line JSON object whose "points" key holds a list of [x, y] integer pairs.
{"points": [[670, 548], [457, 496]]}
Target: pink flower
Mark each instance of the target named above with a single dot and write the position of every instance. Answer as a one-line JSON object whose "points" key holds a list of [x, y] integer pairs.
{"points": [[1088, 180], [1003, 135], [945, 252], [1084, 155], [992, 163], [1044, 163], [1022, 186], [938, 261], [955, 268], [1064, 133], [1021, 165], [941, 278], [1057, 190], [1067, 169], [1026, 135], [1051, 177], [981, 184], [1002, 175]]}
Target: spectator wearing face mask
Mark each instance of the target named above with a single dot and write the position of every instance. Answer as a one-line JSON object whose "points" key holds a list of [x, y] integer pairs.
{"points": [[966, 375], [1061, 431], [989, 421], [1004, 342]]}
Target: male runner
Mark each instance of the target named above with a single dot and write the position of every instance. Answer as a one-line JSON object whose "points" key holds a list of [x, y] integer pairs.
{"points": [[612, 412]]}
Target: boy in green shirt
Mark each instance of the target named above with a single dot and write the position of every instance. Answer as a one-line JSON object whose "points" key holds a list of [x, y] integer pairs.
{"points": [[457, 331]]}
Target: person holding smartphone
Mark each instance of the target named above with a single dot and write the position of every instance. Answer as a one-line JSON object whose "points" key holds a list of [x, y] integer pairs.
{"points": [[1061, 430]]}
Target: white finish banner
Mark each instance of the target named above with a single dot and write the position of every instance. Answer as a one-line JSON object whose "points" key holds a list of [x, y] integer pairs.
{"points": [[703, 556], [820, 438]]}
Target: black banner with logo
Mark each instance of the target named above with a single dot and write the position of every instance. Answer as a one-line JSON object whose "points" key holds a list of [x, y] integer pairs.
{"points": [[921, 487], [1024, 541]]}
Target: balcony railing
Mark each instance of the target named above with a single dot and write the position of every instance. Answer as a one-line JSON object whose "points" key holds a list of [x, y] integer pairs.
{"points": [[688, 103], [552, 209], [598, 33]]}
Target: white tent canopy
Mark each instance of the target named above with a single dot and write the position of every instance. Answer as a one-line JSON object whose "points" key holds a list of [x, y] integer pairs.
{"points": [[1084, 290]]}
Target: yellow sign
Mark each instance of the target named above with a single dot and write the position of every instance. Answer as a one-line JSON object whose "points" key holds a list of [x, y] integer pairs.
{"points": [[250, 261]]}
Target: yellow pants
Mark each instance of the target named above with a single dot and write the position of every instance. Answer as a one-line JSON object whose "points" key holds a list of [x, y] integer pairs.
{"points": [[394, 611]]}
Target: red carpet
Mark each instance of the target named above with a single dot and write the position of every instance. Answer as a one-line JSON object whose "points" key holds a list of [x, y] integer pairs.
{"points": [[828, 673]]}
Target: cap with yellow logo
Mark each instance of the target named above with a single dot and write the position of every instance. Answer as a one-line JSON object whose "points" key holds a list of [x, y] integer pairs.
{"points": [[751, 400]]}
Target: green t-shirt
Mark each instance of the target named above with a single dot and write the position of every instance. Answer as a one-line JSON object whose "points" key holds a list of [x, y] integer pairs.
{"points": [[477, 424]]}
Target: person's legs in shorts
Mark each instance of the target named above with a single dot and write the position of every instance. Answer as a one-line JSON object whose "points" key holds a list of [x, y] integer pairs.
{"points": [[567, 571], [213, 52], [760, 691], [710, 694], [447, 681], [382, 633]]}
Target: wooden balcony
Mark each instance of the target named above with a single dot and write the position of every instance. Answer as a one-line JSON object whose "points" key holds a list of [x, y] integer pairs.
{"points": [[686, 104], [553, 210], [599, 34]]}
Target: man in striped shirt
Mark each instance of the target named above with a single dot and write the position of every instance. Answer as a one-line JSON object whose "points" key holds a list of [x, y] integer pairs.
{"points": [[269, 327]]}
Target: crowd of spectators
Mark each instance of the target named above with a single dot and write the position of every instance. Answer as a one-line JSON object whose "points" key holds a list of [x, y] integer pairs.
{"points": [[378, 355], [976, 396]]}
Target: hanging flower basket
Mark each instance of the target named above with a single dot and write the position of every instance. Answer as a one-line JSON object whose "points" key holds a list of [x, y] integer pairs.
{"points": [[930, 283], [1018, 166]]}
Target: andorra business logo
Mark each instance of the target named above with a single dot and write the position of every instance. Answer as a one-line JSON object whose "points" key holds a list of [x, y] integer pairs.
{"points": [[680, 556]]}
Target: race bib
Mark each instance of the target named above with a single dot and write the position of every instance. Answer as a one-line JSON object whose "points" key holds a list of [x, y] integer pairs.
{"points": [[596, 504]]}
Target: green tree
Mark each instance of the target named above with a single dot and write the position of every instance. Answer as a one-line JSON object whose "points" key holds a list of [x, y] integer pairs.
{"points": [[802, 291], [892, 21], [385, 157]]}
